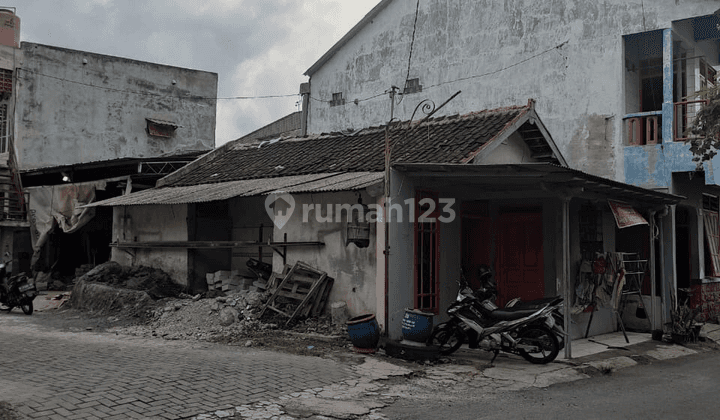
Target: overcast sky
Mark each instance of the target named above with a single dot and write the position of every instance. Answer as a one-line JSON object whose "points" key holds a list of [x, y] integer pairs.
{"points": [[257, 47]]}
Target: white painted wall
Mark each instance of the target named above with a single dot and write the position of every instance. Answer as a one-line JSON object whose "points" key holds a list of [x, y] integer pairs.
{"points": [[511, 150], [70, 112], [152, 223], [505, 52]]}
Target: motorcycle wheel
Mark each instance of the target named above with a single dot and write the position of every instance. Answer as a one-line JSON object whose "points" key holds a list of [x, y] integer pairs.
{"points": [[545, 341], [27, 308], [447, 338]]}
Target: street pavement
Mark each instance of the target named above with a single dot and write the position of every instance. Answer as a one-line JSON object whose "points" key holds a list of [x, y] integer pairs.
{"points": [[50, 374], [84, 375]]}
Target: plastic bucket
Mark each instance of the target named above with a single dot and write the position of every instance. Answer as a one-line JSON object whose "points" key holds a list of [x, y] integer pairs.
{"points": [[417, 325], [364, 331]]}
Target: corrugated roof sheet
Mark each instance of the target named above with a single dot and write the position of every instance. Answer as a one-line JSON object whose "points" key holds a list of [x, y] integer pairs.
{"points": [[245, 188], [450, 139]]}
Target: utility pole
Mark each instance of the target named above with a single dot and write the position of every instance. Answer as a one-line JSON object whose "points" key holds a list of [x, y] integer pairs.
{"points": [[386, 207]]}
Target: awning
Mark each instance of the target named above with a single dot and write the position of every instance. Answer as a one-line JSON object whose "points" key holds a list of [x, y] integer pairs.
{"points": [[164, 122], [540, 176], [325, 182]]}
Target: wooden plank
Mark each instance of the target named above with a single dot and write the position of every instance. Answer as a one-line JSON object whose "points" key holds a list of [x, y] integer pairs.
{"points": [[290, 295], [207, 244], [304, 279], [324, 296], [278, 310], [274, 295], [301, 307]]}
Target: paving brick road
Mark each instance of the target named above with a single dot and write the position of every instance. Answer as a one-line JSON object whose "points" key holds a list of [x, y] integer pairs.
{"points": [[83, 375]]}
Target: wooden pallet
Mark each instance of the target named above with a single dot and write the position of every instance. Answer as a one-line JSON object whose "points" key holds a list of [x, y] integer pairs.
{"points": [[303, 284]]}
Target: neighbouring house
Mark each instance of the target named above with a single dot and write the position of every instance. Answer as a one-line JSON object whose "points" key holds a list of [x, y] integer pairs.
{"points": [[287, 126], [614, 82], [76, 125], [464, 190]]}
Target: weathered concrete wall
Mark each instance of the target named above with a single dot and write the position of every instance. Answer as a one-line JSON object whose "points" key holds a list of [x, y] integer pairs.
{"points": [[651, 166], [152, 223], [353, 268], [568, 55], [69, 111], [248, 214]]}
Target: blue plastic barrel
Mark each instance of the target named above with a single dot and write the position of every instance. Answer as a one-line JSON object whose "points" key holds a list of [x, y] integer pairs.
{"points": [[417, 325], [364, 331]]}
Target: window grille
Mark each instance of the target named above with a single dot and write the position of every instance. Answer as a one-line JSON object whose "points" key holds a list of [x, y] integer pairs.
{"points": [[4, 137], [6, 81], [412, 86], [337, 99]]}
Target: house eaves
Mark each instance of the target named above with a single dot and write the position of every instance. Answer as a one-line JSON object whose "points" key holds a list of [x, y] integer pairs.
{"points": [[202, 193], [555, 179], [347, 37]]}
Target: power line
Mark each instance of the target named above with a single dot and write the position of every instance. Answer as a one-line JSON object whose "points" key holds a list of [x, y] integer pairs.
{"points": [[249, 97], [158, 95], [412, 43], [555, 48]]}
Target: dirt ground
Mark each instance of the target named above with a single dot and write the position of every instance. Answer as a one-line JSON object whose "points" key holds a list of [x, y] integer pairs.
{"points": [[143, 302], [7, 412]]}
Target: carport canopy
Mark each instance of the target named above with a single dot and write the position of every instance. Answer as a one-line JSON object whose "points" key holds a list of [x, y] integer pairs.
{"points": [[553, 179]]}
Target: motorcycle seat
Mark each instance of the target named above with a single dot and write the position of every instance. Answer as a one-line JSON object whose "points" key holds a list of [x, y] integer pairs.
{"points": [[534, 304], [510, 315]]}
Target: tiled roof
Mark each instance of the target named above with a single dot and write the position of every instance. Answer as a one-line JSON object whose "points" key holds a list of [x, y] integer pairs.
{"points": [[451, 139]]}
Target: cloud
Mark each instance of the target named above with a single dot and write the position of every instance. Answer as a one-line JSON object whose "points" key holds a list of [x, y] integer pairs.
{"points": [[257, 47]]}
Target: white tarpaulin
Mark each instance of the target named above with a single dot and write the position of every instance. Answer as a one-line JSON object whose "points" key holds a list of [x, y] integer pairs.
{"points": [[57, 205]]}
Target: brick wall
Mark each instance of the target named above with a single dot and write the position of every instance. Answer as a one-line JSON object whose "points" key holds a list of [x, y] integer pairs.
{"points": [[707, 296]]}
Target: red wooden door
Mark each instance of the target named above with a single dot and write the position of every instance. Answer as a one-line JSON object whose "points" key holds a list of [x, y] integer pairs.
{"points": [[477, 238], [519, 264]]}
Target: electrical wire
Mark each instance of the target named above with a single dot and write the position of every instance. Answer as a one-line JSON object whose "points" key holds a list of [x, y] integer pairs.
{"points": [[249, 97], [412, 43], [158, 95]]}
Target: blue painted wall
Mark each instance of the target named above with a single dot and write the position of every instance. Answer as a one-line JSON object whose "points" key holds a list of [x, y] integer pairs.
{"points": [[652, 166]]}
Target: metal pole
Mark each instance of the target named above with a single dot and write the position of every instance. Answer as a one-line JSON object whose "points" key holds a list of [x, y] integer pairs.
{"points": [[652, 271]]}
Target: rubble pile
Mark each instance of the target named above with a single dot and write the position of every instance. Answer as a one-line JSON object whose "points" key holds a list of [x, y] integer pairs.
{"points": [[229, 319], [234, 316], [155, 282], [111, 288]]}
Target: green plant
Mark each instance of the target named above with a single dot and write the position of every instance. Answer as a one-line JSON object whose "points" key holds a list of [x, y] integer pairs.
{"points": [[682, 319], [706, 126]]}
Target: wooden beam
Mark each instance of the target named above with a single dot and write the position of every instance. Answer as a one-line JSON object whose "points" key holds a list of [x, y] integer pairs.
{"points": [[209, 244]]}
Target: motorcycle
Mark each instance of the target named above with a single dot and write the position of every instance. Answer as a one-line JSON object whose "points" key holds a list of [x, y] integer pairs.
{"points": [[557, 314], [531, 333], [17, 290]]}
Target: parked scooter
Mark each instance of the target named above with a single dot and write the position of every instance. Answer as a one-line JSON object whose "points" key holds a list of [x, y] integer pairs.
{"points": [[557, 314], [475, 318], [18, 290]]}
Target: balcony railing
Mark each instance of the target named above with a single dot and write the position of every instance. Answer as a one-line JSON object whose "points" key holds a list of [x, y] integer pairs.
{"points": [[644, 128], [684, 114]]}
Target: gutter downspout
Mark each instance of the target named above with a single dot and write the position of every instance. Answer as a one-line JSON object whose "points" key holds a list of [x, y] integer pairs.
{"points": [[663, 296], [565, 213]]}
